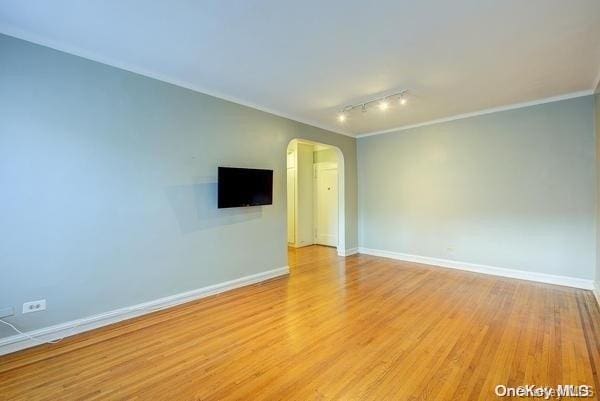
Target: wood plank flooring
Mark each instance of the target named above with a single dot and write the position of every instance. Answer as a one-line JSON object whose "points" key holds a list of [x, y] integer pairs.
{"points": [[356, 328]]}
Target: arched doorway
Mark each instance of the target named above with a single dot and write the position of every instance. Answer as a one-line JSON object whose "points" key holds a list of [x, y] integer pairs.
{"points": [[315, 195]]}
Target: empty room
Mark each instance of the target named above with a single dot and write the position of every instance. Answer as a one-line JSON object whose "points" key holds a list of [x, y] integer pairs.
{"points": [[318, 200]]}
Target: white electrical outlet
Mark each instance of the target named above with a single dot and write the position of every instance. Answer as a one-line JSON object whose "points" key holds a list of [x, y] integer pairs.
{"points": [[34, 306]]}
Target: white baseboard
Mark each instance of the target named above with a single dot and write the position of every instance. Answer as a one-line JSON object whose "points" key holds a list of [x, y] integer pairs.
{"points": [[494, 271], [597, 291], [305, 244], [347, 252], [19, 341]]}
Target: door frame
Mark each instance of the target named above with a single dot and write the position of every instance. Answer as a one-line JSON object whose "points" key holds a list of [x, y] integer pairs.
{"points": [[341, 165]]}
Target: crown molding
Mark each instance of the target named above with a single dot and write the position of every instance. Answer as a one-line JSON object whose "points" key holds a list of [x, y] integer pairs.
{"points": [[37, 39], [481, 112], [75, 51]]}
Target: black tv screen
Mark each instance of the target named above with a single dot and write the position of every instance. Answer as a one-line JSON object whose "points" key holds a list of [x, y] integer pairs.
{"points": [[240, 187]]}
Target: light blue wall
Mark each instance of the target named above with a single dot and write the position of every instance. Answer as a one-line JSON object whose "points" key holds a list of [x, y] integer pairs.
{"points": [[108, 186], [513, 189]]}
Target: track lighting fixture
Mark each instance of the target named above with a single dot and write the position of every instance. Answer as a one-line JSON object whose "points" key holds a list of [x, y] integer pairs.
{"points": [[383, 103]]}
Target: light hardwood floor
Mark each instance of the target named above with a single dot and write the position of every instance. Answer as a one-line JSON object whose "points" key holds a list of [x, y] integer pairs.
{"points": [[356, 328]]}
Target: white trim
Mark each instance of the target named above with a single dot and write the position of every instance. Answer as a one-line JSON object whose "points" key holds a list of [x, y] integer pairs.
{"points": [[481, 112], [29, 37], [491, 270], [597, 291], [19, 341], [347, 252], [19, 34], [341, 165], [596, 88]]}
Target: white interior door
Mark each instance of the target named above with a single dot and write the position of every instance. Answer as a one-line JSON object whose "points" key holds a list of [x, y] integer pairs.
{"points": [[291, 205], [326, 204]]}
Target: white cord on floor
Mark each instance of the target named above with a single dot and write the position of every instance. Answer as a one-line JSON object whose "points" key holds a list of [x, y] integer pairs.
{"points": [[149, 309], [31, 337]]}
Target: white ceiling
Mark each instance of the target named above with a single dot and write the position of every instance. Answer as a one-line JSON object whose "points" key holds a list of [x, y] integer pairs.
{"points": [[308, 59]]}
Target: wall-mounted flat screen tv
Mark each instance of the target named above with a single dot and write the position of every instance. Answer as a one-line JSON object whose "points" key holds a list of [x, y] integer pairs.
{"points": [[239, 187]]}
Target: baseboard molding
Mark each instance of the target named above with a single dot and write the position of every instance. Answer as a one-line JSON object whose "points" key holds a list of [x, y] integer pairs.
{"points": [[597, 292], [494, 271], [347, 252], [294, 245], [19, 341]]}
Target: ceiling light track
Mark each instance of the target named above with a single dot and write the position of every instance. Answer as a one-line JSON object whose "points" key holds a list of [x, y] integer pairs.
{"points": [[383, 103]]}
